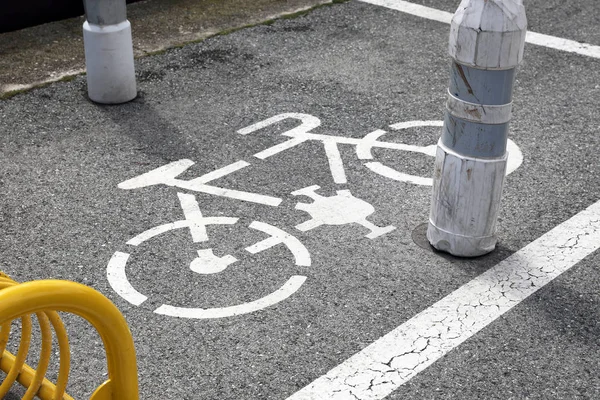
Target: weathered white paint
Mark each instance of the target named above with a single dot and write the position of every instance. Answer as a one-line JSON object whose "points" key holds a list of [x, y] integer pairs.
{"points": [[166, 175], [389, 362], [391, 173], [193, 215], [309, 122], [194, 221], [335, 161], [486, 114], [571, 46], [288, 144], [109, 62], [117, 278], [465, 202], [488, 34], [158, 176], [299, 135], [277, 236], [365, 146], [515, 157], [229, 193], [364, 152], [288, 289], [445, 17], [414, 9], [414, 124], [366, 141], [340, 209], [220, 173], [159, 230], [208, 263]]}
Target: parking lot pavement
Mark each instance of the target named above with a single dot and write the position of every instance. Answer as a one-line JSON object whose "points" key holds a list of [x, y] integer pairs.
{"points": [[54, 52], [257, 214]]}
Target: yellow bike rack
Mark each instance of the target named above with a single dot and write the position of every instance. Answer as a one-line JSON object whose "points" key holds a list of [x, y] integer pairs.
{"points": [[45, 298]]}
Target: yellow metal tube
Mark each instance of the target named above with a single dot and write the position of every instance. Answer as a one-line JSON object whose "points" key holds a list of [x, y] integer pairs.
{"points": [[64, 355], [46, 390], [31, 297], [4, 336], [42, 366], [13, 373], [33, 379]]}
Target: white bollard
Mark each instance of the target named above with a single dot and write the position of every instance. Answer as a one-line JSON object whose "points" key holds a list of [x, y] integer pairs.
{"points": [[108, 52], [486, 43]]}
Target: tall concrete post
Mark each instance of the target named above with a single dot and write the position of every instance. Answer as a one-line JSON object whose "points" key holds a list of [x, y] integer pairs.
{"points": [[108, 52], [486, 45]]}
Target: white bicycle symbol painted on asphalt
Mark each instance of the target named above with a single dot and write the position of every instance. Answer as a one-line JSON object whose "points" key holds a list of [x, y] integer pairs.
{"points": [[363, 146], [340, 209], [207, 263]]}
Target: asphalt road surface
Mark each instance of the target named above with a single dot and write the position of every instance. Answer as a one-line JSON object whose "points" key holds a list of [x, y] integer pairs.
{"points": [[285, 248]]}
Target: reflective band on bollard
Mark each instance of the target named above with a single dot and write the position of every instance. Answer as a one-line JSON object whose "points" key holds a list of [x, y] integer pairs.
{"points": [[487, 38], [108, 52]]}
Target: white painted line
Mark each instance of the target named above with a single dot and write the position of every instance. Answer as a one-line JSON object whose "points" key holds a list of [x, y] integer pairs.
{"points": [[395, 358], [376, 231], [515, 157], [538, 39], [309, 122], [335, 161], [289, 288], [369, 141], [308, 225], [364, 146], [208, 263], [363, 149], [158, 230], [301, 255], [414, 9], [567, 45], [117, 278], [366, 143], [391, 173], [414, 124], [263, 245], [158, 176], [278, 148], [192, 213], [221, 172], [341, 209], [166, 175], [229, 193]]}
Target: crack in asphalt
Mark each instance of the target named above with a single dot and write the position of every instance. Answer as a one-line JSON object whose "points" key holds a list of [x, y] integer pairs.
{"points": [[413, 346]]}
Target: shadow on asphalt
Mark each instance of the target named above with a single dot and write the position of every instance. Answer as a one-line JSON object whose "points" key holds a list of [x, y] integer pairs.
{"points": [[470, 265], [155, 136]]}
